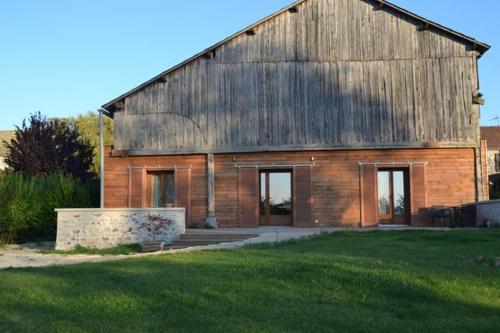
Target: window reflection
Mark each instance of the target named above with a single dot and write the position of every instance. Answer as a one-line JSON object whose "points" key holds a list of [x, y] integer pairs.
{"points": [[163, 189], [276, 193], [384, 194], [262, 194], [280, 193], [399, 193]]}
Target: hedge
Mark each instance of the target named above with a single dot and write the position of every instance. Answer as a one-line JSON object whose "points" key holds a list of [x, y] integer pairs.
{"points": [[27, 204]]}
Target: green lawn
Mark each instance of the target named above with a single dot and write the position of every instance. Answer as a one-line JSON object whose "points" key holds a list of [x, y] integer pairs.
{"points": [[346, 282], [114, 251]]}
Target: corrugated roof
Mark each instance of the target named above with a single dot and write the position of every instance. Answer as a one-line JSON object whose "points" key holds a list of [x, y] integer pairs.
{"points": [[382, 4], [5, 135], [492, 136]]}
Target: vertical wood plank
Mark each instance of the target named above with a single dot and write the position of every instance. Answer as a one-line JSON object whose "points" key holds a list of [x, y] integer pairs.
{"points": [[302, 197], [183, 190], [368, 192], [248, 197], [211, 184], [419, 213]]}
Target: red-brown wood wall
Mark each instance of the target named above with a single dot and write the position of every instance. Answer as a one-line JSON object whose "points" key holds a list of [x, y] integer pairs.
{"points": [[337, 178]]}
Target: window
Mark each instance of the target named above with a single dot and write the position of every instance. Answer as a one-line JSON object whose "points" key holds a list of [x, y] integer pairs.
{"points": [[163, 189], [497, 162]]}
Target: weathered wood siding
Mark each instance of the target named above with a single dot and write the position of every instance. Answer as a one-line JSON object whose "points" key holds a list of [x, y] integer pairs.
{"points": [[335, 74]]}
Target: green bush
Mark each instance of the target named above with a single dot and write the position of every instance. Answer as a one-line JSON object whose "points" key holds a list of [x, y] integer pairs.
{"points": [[27, 203]]}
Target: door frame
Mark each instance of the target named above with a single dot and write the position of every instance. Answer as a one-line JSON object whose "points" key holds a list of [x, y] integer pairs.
{"points": [[407, 183], [265, 219]]}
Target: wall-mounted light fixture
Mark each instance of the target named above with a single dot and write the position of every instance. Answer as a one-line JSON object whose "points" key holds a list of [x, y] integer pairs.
{"points": [[478, 98]]}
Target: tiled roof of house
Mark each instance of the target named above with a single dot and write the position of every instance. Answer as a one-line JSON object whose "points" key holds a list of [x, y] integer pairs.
{"points": [[492, 136], [5, 135]]}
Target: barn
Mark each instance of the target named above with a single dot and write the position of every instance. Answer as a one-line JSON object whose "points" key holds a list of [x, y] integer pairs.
{"points": [[327, 113]]}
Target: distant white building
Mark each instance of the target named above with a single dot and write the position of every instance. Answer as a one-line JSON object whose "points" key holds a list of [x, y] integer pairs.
{"points": [[2, 164], [4, 135]]}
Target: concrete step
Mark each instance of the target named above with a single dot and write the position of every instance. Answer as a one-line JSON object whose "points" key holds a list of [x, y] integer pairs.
{"points": [[203, 239], [172, 247], [215, 237], [189, 243]]}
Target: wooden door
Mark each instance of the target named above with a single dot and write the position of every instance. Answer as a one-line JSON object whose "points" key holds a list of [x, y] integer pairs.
{"points": [[368, 187], [302, 196], [136, 188], [248, 198], [182, 190]]}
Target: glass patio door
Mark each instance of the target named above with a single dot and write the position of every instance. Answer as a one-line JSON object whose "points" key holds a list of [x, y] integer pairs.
{"points": [[276, 198], [393, 195]]}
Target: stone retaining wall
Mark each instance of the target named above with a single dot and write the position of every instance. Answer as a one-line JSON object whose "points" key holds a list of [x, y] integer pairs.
{"points": [[106, 228]]}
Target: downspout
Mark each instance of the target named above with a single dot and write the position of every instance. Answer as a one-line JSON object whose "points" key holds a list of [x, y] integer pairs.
{"points": [[102, 112], [478, 151]]}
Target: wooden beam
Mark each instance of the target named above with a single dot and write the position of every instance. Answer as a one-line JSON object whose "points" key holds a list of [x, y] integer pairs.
{"points": [[478, 100], [312, 147], [129, 186], [423, 26], [120, 105], [211, 185], [209, 55], [162, 79], [119, 153]]}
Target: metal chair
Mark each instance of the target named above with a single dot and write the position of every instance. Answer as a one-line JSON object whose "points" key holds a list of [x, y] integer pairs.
{"points": [[441, 215]]}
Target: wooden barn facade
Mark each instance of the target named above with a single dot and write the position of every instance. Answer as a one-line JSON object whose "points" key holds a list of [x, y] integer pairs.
{"points": [[327, 113]]}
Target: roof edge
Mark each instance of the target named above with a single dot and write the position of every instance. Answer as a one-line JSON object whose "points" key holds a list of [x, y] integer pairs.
{"points": [[481, 47]]}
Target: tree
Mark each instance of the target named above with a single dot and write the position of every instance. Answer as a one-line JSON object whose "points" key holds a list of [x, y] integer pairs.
{"points": [[45, 146], [88, 127]]}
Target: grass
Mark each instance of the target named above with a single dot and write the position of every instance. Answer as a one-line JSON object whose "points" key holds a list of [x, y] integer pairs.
{"points": [[122, 249], [415, 281]]}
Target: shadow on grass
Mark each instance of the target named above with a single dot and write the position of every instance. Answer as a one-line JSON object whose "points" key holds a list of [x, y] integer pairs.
{"points": [[271, 289]]}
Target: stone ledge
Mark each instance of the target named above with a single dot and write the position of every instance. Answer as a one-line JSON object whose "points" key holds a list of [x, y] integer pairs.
{"points": [[105, 228], [103, 210]]}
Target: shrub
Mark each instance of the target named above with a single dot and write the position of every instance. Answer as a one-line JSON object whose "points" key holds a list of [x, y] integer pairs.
{"points": [[43, 146], [27, 203]]}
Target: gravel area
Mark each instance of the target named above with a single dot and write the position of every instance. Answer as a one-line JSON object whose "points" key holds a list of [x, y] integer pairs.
{"points": [[29, 255]]}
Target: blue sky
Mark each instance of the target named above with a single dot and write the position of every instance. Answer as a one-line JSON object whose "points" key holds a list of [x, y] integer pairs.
{"points": [[67, 57]]}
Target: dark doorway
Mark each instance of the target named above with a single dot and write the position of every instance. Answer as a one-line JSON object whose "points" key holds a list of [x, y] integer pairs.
{"points": [[276, 198], [393, 196]]}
